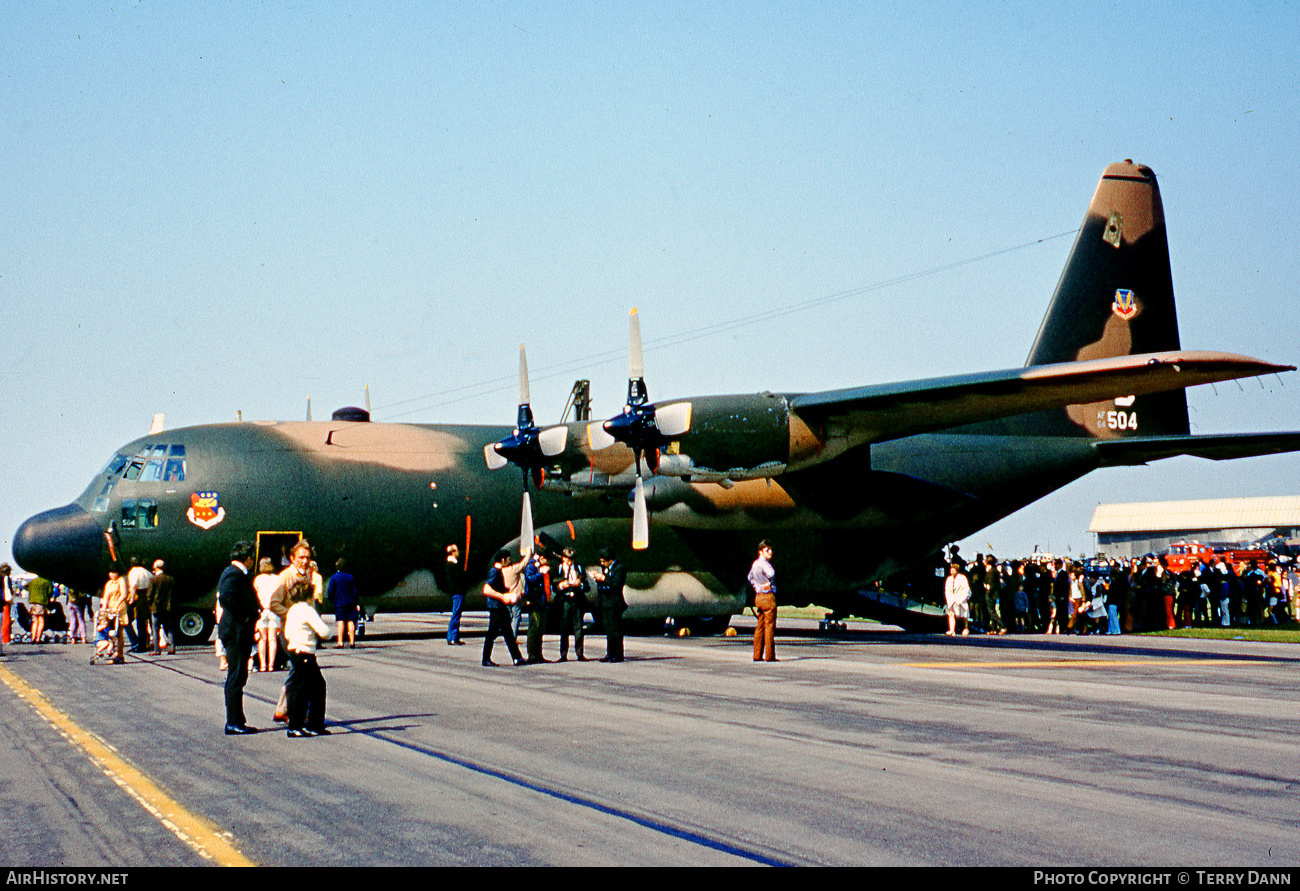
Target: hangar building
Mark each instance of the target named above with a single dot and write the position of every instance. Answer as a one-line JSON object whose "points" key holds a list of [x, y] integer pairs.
{"points": [[1131, 530]]}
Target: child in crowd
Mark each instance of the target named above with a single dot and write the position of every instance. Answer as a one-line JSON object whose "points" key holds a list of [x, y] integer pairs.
{"points": [[105, 635]]}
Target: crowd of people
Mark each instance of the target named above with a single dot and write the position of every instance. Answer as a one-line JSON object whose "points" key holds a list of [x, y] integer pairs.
{"points": [[259, 616], [1056, 596], [552, 593], [135, 607], [256, 614], [269, 618]]}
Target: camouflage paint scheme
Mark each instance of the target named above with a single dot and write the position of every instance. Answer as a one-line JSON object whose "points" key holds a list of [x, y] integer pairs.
{"points": [[849, 485]]}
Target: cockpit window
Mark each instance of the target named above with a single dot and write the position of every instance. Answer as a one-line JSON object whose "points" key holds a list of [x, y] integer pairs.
{"points": [[114, 465], [139, 513], [151, 464], [101, 502]]}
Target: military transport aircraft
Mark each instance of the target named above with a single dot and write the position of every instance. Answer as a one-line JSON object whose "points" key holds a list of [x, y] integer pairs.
{"points": [[850, 485]]}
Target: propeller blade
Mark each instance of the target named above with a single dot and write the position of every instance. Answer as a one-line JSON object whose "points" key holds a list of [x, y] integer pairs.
{"points": [[526, 524], [597, 438], [675, 419], [495, 461], [523, 376], [635, 367], [640, 517], [553, 440]]}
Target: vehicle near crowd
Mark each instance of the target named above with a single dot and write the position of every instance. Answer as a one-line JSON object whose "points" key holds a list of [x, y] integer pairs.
{"points": [[1184, 555], [849, 485]]}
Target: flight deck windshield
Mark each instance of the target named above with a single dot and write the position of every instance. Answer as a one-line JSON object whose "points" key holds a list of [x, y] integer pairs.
{"points": [[152, 463]]}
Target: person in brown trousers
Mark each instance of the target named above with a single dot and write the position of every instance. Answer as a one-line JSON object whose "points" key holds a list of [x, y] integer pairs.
{"points": [[761, 575]]}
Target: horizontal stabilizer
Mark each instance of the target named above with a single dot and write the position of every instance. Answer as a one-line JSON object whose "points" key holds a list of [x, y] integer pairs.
{"points": [[1216, 447], [888, 411]]}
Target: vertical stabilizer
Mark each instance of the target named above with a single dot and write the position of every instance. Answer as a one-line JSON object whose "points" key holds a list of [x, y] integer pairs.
{"points": [[1115, 298]]}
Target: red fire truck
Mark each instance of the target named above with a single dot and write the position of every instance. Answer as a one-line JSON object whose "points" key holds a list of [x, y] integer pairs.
{"points": [[1186, 554]]}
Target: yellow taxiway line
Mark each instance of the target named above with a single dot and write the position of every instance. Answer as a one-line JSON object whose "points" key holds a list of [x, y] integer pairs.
{"points": [[203, 837], [1081, 663]]}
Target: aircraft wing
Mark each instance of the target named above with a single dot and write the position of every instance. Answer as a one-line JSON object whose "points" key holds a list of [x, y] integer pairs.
{"points": [[1216, 447], [882, 412]]}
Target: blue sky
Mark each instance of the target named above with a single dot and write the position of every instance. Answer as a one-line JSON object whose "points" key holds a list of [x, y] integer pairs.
{"points": [[215, 208]]}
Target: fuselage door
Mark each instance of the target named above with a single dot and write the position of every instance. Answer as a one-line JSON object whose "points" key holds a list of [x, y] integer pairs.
{"points": [[276, 545]]}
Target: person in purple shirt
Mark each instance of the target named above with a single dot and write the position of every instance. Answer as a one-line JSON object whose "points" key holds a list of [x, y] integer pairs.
{"points": [[342, 592]]}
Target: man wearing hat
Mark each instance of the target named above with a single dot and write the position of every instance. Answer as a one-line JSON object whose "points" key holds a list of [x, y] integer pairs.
{"points": [[610, 579]]}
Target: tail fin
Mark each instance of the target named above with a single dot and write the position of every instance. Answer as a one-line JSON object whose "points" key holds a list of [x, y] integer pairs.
{"points": [[1115, 298]]}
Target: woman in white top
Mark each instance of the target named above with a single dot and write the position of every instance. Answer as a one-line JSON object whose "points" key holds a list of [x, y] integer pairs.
{"points": [[956, 597]]}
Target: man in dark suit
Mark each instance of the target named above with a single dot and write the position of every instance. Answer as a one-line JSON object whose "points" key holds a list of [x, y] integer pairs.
{"points": [[160, 607], [238, 614], [610, 579]]}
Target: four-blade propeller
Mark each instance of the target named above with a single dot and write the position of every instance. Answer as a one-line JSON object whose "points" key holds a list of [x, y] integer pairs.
{"points": [[641, 427], [527, 448]]}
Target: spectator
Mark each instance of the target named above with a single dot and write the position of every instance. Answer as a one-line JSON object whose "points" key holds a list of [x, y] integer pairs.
{"points": [[343, 594], [39, 592], [956, 596], [303, 628]]}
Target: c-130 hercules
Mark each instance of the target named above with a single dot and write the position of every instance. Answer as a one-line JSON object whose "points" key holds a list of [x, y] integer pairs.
{"points": [[849, 485]]}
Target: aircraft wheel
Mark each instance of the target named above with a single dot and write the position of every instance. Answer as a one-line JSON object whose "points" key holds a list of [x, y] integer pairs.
{"points": [[194, 626], [709, 625]]}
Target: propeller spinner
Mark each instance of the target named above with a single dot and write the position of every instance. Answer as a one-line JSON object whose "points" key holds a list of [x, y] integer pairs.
{"points": [[641, 429], [527, 448]]}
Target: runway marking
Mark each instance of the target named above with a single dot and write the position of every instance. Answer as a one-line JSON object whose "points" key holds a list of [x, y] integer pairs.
{"points": [[203, 837], [1081, 663], [647, 822]]}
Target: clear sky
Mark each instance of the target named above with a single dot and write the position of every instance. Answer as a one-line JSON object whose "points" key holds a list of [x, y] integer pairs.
{"points": [[214, 208]]}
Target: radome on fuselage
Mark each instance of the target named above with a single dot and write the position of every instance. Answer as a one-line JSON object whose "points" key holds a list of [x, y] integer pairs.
{"points": [[850, 485]]}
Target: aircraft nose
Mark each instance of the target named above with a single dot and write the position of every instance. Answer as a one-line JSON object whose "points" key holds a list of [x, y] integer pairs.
{"points": [[64, 544]]}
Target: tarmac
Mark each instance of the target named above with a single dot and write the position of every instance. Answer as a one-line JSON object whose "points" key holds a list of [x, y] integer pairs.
{"points": [[866, 747]]}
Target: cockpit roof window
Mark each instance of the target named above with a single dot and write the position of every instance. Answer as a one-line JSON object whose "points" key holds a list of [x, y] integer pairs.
{"points": [[114, 465], [178, 450]]}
